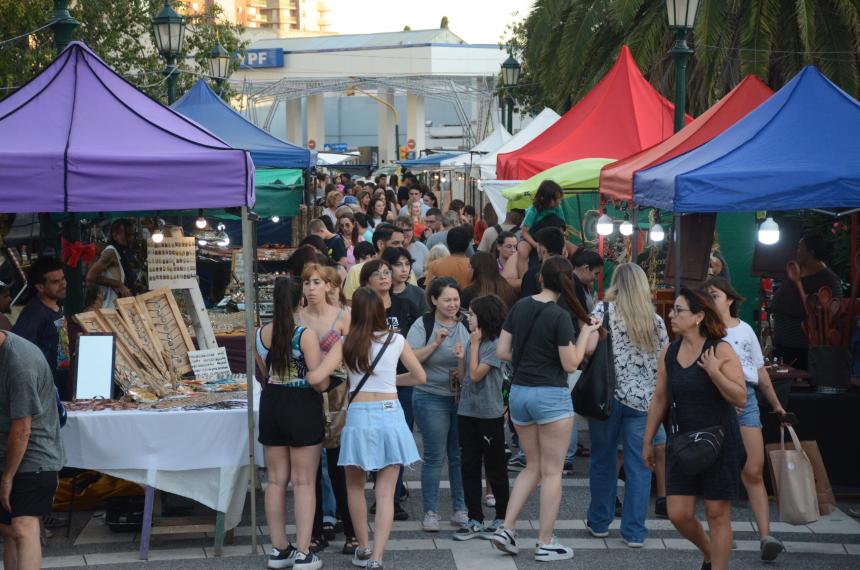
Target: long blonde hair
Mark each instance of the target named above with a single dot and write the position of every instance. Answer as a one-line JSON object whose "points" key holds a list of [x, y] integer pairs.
{"points": [[632, 297]]}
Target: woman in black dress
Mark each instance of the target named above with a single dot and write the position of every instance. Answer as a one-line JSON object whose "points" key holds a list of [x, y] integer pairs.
{"points": [[702, 377]]}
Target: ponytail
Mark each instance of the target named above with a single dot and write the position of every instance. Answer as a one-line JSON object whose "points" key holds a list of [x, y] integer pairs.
{"points": [[556, 274]]}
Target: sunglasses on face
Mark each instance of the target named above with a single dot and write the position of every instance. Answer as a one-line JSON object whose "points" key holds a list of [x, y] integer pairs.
{"points": [[384, 274]]}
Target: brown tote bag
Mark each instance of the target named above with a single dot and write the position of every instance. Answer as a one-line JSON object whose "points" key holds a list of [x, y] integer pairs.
{"points": [[795, 482]]}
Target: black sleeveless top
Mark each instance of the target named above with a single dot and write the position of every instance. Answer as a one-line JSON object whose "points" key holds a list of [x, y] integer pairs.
{"points": [[699, 404]]}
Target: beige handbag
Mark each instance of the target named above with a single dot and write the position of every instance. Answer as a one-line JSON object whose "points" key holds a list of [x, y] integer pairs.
{"points": [[795, 482]]}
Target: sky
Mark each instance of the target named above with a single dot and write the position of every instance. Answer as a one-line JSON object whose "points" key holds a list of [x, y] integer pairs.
{"points": [[476, 21]]}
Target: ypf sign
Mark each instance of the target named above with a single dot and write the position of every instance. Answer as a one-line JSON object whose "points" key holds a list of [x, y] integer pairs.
{"points": [[263, 58]]}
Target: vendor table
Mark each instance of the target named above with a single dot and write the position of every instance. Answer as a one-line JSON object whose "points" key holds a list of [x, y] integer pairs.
{"points": [[199, 454]]}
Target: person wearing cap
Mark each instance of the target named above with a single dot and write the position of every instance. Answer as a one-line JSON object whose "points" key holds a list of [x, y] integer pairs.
{"points": [[5, 306]]}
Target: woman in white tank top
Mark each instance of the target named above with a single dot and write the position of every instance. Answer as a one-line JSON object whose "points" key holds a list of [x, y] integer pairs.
{"points": [[375, 437]]}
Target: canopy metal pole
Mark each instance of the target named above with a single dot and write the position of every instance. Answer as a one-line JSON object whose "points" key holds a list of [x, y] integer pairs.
{"points": [[250, 369], [677, 249]]}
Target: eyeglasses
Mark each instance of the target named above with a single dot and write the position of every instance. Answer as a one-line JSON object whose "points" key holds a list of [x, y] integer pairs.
{"points": [[384, 274], [678, 310]]}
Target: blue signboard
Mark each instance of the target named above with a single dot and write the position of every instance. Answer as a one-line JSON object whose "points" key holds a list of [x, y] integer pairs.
{"points": [[262, 58], [335, 147]]}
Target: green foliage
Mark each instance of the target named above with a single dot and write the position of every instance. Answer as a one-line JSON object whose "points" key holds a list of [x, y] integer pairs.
{"points": [[407, 28], [444, 23], [120, 32], [566, 46]]}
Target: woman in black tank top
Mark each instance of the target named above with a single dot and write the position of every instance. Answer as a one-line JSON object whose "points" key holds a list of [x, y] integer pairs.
{"points": [[706, 382]]}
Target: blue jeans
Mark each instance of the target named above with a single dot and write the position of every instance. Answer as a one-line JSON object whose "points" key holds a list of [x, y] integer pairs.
{"points": [[404, 394], [436, 417], [328, 500], [574, 440], [628, 426]]}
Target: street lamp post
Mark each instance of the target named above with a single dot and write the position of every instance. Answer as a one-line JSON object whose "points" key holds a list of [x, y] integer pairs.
{"points": [[350, 91], [62, 24], [510, 77], [682, 17], [169, 30], [218, 60]]}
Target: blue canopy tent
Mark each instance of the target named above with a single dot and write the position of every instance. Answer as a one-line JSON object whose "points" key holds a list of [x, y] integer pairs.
{"points": [[204, 106], [429, 162], [797, 150]]}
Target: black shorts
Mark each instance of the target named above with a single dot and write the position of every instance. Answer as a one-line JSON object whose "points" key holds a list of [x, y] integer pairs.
{"points": [[291, 417], [32, 495]]}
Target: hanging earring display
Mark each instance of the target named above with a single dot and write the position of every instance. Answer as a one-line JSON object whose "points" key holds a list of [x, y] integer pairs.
{"points": [[173, 259]]}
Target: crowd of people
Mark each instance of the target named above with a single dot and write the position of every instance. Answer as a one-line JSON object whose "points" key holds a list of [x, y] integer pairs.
{"points": [[470, 330], [489, 334]]}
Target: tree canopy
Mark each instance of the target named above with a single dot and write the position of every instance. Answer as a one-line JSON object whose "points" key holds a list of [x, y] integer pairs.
{"points": [[120, 32], [566, 46]]}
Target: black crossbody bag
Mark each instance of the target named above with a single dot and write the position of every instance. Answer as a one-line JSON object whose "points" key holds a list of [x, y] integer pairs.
{"points": [[696, 450]]}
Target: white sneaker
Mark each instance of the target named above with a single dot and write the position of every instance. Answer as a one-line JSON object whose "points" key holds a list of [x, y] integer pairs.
{"points": [[505, 540], [552, 551], [459, 519], [431, 522]]}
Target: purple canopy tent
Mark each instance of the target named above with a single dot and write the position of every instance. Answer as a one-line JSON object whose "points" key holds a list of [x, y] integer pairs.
{"points": [[79, 138]]}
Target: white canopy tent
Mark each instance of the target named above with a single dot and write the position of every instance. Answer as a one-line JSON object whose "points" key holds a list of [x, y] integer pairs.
{"points": [[498, 138], [485, 167]]}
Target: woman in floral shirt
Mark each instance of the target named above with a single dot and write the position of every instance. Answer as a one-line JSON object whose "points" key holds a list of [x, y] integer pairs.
{"points": [[638, 335]]}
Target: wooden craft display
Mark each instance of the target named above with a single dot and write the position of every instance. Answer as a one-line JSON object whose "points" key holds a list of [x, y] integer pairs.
{"points": [[133, 314], [162, 313], [174, 259]]}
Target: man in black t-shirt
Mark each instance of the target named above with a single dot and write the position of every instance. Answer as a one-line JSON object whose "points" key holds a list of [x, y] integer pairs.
{"points": [[336, 248]]}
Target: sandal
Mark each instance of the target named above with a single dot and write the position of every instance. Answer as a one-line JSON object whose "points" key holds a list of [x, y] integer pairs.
{"points": [[317, 544], [349, 545], [328, 531], [582, 451]]}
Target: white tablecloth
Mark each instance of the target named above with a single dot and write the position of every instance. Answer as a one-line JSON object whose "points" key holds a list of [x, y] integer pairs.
{"points": [[202, 455]]}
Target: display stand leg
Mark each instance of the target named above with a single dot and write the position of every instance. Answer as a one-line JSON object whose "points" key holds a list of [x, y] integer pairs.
{"points": [[219, 533], [146, 531]]}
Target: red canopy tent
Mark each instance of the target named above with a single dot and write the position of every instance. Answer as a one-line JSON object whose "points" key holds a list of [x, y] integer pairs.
{"points": [[616, 179], [622, 115]]}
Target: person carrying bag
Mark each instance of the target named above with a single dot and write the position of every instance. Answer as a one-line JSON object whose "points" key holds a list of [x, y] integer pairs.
{"points": [[593, 392], [796, 496]]}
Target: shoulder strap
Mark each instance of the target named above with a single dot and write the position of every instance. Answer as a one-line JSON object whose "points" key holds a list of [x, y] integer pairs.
{"points": [[429, 320], [498, 228], [515, 229], [372, 366]]}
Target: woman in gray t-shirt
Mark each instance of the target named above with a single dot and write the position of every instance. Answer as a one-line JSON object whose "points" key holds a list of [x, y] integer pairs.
{"points": [[433, 339]]}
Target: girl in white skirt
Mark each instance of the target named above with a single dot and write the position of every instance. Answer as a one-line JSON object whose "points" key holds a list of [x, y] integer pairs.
{"points": [[375, 437]]}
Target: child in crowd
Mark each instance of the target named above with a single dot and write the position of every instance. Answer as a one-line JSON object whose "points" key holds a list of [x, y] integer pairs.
{"points": [[547, 202], [480, 415]]}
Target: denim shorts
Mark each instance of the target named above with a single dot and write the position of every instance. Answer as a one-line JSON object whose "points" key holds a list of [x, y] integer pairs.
{"points": [[539, 404], [375, 436], [750, 416]]}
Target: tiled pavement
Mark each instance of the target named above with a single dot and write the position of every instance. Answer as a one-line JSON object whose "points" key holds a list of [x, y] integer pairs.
{"points": [[833, 542]]}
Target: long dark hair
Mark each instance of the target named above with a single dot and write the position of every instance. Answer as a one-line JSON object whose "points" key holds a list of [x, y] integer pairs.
{"points": [[486, 277], [556, 275], [435, 288], [712, 325], [371, 210], [367, 322], [547, 192], [723, 285], [286, 297], [353, 237], [490, 311]]}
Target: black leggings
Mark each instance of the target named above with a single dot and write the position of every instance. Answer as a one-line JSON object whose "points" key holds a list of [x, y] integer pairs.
{"points": [[482, 443], [338, 485]]}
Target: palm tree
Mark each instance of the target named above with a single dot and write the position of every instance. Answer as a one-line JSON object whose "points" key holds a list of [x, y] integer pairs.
{"points": [[568, 45]]}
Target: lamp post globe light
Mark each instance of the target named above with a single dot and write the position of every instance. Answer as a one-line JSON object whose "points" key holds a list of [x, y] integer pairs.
{"points": [[169, 30], [218, 60], [604, 225], [510, 77], [682, 17], [768, 232]]}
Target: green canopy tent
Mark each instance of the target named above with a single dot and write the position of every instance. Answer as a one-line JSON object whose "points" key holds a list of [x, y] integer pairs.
{"points": [[574, 177]]}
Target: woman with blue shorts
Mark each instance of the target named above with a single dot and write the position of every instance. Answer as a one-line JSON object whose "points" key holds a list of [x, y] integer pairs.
{"points": [[375, 437], [745, 343], [538, 338]]}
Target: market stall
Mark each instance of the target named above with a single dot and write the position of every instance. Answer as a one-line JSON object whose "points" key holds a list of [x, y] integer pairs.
{"points": [[798, 150], [79, 138]]}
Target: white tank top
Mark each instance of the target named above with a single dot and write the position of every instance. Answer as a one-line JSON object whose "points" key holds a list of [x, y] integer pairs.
{"points": [[384, 377], [109, 295]]}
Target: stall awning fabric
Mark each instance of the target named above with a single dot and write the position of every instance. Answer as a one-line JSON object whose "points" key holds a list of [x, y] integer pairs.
{"points": [[573, 177], [204, 106], [485, 167], [79, 138], [622, 115], [616, 180], [797, 150], [429, 162], [493, 142]]}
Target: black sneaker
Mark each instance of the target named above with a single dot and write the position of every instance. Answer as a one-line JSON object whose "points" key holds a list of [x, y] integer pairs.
{"points": [[770, 548], [404, 492], [400, 513], [568, 468], [517, 464], [618, 507], [282, 558], [660, 510], [470, 530], [309, 561]]}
